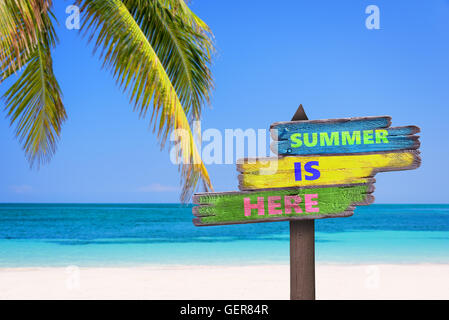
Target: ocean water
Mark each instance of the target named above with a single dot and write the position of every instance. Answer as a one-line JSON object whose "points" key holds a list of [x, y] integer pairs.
{"points": [[163, 234]]}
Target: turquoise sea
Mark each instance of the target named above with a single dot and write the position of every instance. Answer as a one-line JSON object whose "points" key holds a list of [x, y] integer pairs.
{"points": [[143, 234]]}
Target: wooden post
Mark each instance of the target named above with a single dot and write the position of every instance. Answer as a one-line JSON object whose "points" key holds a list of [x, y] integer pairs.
{"points": [[302, 250], [302, 260]]}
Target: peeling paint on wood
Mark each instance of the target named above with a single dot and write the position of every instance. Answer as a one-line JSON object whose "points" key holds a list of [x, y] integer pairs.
{"points": [[280, 204], [342, 136], [299, 171]]}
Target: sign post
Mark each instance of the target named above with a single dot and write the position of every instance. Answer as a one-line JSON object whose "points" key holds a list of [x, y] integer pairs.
{"points": [[324, 169], [302, 250]]}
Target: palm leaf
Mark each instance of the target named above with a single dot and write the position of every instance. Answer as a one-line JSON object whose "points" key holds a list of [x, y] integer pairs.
{"points": [[179, 46], [20, 25], [33, 102], [181, 9], [138, 69]]}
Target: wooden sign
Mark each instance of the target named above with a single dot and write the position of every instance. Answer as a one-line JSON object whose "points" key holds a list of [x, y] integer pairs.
{"points": [[325, 169], [299, 171], [338, 136], [280, 204]]}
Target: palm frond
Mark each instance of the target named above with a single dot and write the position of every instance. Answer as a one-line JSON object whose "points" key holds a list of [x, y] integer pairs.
{"points": [[182, 10], [180, 48], [138, 69], [33, 102], [20, 25]]}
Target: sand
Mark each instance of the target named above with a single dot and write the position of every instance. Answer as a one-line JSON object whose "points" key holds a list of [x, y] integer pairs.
{"points": [[426, 281]]}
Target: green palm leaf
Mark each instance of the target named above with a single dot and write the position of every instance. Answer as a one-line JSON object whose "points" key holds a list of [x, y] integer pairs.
{"points": [[137, 67], [20, 25], [180, 47], [182, 10], [33, 102]]}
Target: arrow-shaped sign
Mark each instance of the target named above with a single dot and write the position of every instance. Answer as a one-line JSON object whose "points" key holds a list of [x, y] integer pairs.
{"points": [[326, 168], [337, 136], [299, 171], [280, 204]]}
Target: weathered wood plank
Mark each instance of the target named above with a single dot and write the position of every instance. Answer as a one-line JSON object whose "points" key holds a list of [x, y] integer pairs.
{"points": [[298, 171], [348, 142], [280, 204], [338, 136]]}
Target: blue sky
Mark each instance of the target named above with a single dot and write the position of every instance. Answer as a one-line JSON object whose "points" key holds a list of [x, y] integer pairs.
{"points": [[271, 57]]}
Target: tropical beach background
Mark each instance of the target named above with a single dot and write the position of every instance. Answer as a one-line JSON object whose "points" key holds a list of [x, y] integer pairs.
{"points": [[154, 251], [87, 235], [103, 219]]}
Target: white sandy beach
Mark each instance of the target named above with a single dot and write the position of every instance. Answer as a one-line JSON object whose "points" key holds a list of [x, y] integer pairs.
{"points": [[426, 281]]}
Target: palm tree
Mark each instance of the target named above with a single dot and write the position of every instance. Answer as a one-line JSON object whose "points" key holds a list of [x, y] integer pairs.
{"points": [[159, 52]]}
